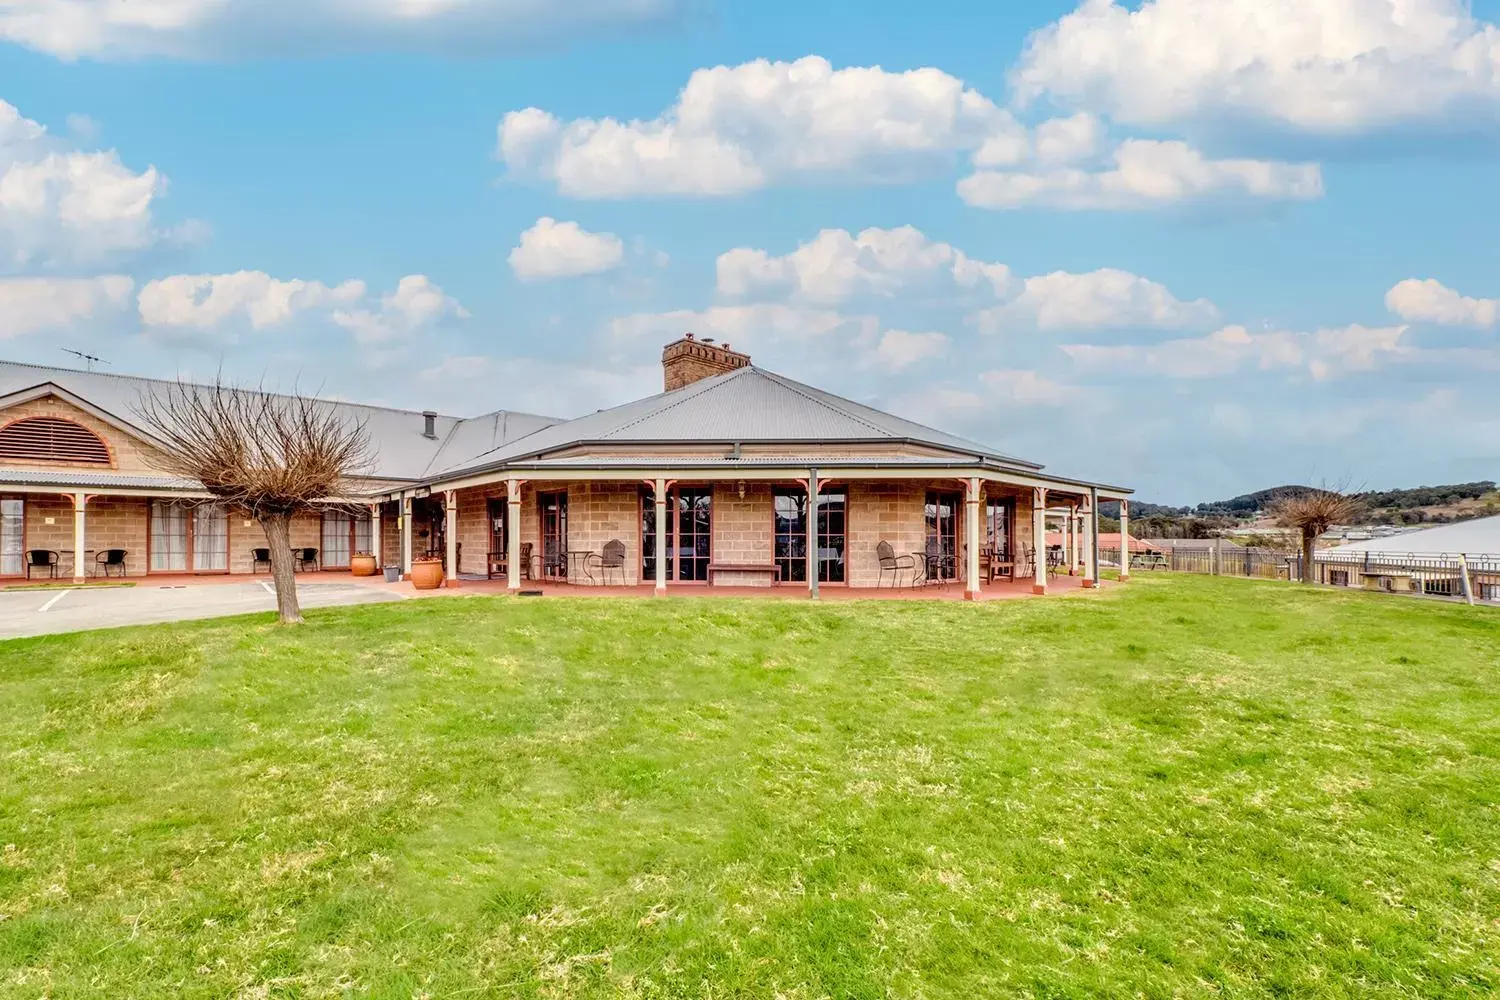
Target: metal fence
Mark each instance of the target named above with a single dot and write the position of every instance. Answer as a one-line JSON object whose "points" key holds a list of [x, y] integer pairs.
{"points": [[1460, 576]]}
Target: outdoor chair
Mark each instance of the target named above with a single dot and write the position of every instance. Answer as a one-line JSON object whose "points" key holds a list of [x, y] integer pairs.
{"points": [[612, 558], [525, 567], [42, 559], [307, 558], [259, 557], [1027, 565], [109, 560], [496, 562], [893, 564], [554, 562]]}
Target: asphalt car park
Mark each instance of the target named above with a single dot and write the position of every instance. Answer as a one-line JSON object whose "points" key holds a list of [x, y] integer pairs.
{"points": [[46, 611]]}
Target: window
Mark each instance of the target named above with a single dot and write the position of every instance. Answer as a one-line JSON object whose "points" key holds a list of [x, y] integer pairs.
{"points": [[12, 536], [364, 537], [790, 530], [688, 544], [52, 439], [188, 538], [941, 514]]}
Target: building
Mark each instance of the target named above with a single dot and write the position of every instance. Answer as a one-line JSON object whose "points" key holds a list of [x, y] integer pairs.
{"points": [[708, 483], [1450, 560]]}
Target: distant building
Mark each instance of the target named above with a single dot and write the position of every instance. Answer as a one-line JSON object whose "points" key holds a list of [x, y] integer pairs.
{"points": [[1432, 561]]}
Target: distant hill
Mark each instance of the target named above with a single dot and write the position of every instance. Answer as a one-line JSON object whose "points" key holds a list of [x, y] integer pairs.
{"points": [[1418, 505]]}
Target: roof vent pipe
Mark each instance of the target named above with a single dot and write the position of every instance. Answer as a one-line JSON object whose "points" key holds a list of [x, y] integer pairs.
{"points": [[429, 424], [736, 453]]}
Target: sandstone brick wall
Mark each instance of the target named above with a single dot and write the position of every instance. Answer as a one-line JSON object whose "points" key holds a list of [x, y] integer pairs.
{"points": [[109, 523], [744, 532], [129, 454]]}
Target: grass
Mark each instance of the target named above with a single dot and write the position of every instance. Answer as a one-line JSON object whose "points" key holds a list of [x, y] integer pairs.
{"points": [[1186, 787]]}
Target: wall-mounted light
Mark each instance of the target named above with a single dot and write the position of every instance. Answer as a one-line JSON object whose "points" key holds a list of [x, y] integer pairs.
{"points": [[741, 487]]}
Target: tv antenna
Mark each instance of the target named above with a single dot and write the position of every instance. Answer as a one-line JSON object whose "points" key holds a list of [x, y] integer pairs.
{"points": [[89, 360]]}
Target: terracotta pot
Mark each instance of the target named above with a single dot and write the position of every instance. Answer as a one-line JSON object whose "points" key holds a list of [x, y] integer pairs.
{"points": [[362, 564], [427, 574]]}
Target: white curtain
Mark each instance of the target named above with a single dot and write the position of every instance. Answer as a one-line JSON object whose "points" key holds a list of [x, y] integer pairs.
{"points": [[335, 539], [210, 540], [12, 537], [169, 537]]}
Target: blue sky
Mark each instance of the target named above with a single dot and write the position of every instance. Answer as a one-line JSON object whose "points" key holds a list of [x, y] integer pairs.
{"points": [[1197, 246]]}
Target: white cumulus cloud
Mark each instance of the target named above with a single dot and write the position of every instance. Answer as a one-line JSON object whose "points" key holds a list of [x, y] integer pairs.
{"points": [[900, 349], [1098, 300], [1143, 174], [416, 303], [744, 327], [110, 29], [552, 249], [60, 205], [208, 301], [1430, 301], [837, 265], [1025, 387], [30, 305], [737, 128], [1322, 353], [1323, 66]]}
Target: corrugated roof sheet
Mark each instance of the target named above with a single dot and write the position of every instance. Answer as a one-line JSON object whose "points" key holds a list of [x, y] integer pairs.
{"points": [[399, 448], [102, 480], [1480, 537], [749, 405]]}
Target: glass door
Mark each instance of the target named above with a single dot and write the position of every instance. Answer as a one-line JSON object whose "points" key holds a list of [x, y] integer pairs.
{"points": [[169, 537], [687, 542], [997, 527], [338, 534], [941, 514], [12, 537], [554, 514], [790, 531], [497, 508], [210, 539]]}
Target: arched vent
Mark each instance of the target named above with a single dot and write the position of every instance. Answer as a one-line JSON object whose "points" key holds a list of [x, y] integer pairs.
{"points": [[51, 439]]}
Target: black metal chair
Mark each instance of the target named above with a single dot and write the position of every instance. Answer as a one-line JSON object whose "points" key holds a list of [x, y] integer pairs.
{"points": [[108, 560], [259, 556], [612, 558], [893, 564], [554, 562], [942, 567], [525, 567], [45, 559], [307, 558]]}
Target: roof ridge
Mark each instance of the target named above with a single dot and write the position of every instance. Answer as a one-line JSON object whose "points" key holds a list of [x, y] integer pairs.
{"points": [[794, 386], [201, 385], [704, 387]]}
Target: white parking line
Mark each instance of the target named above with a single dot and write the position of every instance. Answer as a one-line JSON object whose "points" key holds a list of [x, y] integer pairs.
{"points": [[48, 606], [267, 587]]}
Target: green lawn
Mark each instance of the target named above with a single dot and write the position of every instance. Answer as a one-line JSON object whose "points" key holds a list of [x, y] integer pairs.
{"points": [[1186, 787]]}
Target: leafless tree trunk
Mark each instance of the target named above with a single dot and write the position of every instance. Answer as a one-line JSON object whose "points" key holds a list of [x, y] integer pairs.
{"points": [[278, 529], [1310, 514]]}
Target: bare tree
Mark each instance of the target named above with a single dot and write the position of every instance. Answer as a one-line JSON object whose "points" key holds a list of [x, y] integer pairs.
{"points": [[1311, 513], [271, 456]]}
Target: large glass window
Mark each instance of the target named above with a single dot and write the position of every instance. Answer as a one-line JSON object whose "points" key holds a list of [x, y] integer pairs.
{"points": [[12, 536], [790, 529], [687, 544], [364, 536], [498, 511], [941, 513]]}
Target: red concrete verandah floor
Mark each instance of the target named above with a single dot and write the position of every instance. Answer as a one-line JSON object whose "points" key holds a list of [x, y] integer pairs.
{"points": [[998, 591]]}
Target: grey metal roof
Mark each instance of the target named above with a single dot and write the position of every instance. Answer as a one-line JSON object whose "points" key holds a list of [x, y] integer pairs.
{"points": [[101, 480], [399, 448], [749, 405], [1478, 538]]}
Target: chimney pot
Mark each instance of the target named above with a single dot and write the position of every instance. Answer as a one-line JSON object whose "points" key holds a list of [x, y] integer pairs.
{"points": [[688, 360], [429, 424]]}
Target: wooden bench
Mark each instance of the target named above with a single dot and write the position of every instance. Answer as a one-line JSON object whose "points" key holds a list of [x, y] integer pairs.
{"points": [[771, 568]]}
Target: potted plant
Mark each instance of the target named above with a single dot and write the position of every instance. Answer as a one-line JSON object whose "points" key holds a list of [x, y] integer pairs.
{"points": [[363, 564], [427, 573]]}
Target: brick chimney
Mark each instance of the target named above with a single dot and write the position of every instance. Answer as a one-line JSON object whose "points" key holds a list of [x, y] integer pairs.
{"points": [[688, 360]]}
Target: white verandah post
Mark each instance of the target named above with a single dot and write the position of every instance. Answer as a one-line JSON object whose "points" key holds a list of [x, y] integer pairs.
{"points": [[660, 496], [1124, 540], [513, 535], [1091, 578], [80, 565], [971, 540], [450, 535], [812, 534], [1039, 540], [405, 520], [377, 536]]}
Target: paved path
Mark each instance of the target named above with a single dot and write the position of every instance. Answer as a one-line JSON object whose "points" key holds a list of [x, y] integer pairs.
{"points": [[44, 612]]}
